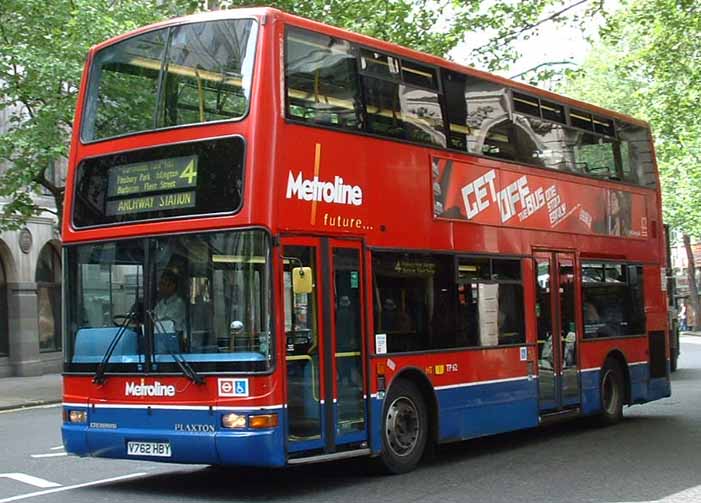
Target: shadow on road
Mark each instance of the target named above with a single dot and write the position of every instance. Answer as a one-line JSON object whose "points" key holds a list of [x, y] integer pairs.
{"points": [[302, 483]]}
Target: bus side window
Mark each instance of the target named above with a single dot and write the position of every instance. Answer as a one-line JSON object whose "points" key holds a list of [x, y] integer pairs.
{"points": [[321, 80], [401, 99]]}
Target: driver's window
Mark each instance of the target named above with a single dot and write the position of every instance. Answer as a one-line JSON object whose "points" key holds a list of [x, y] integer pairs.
{"points": [[109, 292]]}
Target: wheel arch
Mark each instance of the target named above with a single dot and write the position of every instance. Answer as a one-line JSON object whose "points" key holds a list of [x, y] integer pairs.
{"points": [[419, 378], [618, 356]]}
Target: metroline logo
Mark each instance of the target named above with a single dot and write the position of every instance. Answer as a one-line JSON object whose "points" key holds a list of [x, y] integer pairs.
{"points": [[155, 389], [335, 192]]}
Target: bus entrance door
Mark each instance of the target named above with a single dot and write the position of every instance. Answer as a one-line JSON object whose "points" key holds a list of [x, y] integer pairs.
{"points": [[558, 378], [326, 410]]}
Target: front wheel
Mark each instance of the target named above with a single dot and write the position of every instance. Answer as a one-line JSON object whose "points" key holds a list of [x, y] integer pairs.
{"points": [[404, 427], [612, 392]]}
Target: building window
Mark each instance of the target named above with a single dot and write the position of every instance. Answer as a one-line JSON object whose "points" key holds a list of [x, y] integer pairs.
{"points": [[612, 299], [48, 279], [4, 313]]}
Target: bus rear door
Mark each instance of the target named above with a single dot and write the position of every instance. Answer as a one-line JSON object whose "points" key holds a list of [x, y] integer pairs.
{"points": [[558, 357]]}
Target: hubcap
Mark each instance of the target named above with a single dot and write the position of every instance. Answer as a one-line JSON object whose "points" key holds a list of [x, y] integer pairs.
{"points": [[610, 392], [402, 426]]}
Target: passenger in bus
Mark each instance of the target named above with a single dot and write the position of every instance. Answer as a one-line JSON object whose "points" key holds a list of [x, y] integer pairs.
{"points": [[394, 319], [591, 314], [170, 311], [596, 325]]}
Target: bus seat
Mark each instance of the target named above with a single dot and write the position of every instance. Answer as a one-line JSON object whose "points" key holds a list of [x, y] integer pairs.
{"points": [[91, 344]]}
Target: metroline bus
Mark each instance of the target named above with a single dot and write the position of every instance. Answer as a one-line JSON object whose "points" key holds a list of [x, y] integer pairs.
{"points": [[288, 243]]}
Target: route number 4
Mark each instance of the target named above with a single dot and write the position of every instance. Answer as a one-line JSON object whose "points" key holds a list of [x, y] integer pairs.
{"points": [[190, 172]]}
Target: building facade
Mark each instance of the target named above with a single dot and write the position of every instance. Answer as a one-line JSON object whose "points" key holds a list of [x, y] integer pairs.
{"points": [[30, 291], [30, 299]]}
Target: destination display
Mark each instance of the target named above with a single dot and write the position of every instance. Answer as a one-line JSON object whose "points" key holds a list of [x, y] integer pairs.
{"points": [[167, 181], [151, 203], [160, 175], [166, 176]]}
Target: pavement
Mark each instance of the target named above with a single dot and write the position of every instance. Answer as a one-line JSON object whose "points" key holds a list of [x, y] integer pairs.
{"points": [[20, 392]]}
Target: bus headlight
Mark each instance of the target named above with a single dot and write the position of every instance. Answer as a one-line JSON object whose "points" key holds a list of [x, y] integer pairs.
{"points": [[233, 420], [77, 416]]}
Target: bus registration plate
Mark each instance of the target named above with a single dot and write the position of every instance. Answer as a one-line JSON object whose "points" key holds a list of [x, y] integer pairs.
{"points": [[158, 449]]}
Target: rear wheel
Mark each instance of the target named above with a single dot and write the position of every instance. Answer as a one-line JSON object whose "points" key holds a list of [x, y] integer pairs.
{"points": [[404, 428], [612, 393]]}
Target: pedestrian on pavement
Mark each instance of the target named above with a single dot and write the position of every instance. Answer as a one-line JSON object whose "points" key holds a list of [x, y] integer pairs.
{"points": [[682, 317], [690, 318]]}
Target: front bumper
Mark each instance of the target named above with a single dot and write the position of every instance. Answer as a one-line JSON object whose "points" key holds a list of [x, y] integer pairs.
{"points": [[195, 436]]}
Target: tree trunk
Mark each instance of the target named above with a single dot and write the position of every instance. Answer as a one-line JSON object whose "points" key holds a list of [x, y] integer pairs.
{"points": [[693, 291]]}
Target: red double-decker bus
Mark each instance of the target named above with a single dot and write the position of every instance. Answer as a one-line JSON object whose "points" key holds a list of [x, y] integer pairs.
{"points": [[286, 243]]}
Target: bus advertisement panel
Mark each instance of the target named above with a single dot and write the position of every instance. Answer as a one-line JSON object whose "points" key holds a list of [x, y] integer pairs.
{"points": [[505, 197]]}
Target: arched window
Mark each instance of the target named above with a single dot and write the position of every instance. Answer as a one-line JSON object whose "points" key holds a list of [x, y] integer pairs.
{"points": [[4, 329], [48, 279]]}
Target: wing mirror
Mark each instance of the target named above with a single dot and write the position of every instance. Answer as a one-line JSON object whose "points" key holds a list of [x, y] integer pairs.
{"points": [[302, 280]]}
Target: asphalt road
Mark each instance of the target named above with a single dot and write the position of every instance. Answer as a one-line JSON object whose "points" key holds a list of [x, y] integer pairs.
{"points": [[653, 455]]}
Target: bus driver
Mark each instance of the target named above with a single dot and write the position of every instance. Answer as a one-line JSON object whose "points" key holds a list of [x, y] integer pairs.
{"points": [[169, 312]]}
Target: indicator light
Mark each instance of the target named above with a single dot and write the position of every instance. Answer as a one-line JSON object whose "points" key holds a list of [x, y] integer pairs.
{"points": [[263, 421]]}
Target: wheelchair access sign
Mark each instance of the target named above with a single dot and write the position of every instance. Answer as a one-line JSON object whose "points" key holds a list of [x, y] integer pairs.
{"points": [[232, 387]]}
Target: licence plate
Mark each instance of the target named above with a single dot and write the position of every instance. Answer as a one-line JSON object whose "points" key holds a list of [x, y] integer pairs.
{"points": [[158, 449]]}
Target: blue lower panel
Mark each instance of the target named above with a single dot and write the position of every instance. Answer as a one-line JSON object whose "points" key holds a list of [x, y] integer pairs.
{"points": [[375, 426], [111, 429], [591, 399], [659, 388], [639, 379], [486, 409]]}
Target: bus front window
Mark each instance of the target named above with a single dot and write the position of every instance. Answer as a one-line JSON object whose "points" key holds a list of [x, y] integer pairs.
{"points": [[184, 74], [204, 298], [211, 300]]}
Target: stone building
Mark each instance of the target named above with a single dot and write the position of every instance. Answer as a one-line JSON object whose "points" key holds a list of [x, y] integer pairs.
{"points": [[30, 299], [30, 294]]}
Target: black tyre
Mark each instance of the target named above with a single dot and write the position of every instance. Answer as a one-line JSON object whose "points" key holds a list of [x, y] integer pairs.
{"points": [[612, 393], [404, 427]]}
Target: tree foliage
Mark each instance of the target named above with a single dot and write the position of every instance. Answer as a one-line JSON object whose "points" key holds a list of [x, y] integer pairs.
{"points": [[42, 52], [43, 47]]}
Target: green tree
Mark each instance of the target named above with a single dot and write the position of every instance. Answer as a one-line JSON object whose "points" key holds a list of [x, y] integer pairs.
{"points": [[42, 52], [648, 64], [43, 47]]}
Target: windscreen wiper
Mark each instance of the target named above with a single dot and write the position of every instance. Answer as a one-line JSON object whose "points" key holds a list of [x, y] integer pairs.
{"points": [[186, 368], [178, 357], [99, 377]]}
